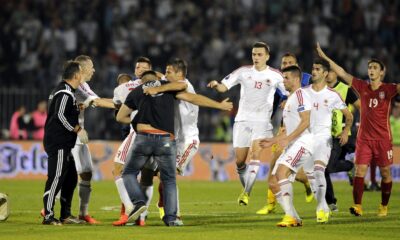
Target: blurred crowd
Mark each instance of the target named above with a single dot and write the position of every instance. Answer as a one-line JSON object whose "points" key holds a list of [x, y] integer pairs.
{"points": [[214, 37]]}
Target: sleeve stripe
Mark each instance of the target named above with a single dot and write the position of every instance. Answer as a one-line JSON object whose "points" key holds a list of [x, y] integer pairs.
{"points": [[299, 97], [61, 113]]}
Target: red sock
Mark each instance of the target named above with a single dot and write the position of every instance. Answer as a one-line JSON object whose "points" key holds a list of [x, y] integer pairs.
{"points": [[358, 189], [373, 172], [386, 189], [161, 195], [122, 209]]}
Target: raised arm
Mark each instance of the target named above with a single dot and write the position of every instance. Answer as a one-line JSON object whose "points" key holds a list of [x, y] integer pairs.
{"points": [[336, 68], [203, 101], [217, 86], [171, 86], [124, 114]]}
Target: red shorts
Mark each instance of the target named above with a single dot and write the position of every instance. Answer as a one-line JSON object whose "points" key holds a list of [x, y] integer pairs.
{"points": [[380, 151]]}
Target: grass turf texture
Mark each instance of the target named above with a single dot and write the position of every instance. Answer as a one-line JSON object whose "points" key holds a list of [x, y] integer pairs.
{"points": [[210, 211]]}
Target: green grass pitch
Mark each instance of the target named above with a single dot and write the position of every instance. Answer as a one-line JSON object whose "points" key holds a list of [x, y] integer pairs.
{"points": [[210, 211]]}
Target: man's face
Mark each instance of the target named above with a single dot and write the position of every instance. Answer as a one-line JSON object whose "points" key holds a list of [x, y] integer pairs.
{"points": [[171, 75], [260, 57], [140, 68], [288, 61], [318, 73], [332, 77], [87, 70], [375, 73], [289, 80]]}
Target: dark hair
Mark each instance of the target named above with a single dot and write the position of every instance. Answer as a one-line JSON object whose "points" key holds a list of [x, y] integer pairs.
{"points": [[82, 58], [179, 65], [121, 78], [70, 69], [293, 70], [149, 73], [375, 60], [289, 54], [261, 45], [144, 60], [325, 64]]}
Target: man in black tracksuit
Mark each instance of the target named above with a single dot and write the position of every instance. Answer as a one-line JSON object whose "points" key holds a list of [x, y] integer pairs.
{"points": [[61, 131]]}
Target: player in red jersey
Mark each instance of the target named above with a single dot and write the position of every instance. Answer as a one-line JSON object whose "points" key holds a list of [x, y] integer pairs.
{"points": [[374, 139]]}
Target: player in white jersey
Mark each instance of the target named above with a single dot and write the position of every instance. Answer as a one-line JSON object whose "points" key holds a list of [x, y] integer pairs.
{"points": [[253, 120], [83, 160], [297, 144], [123, 153], [324, 101]]}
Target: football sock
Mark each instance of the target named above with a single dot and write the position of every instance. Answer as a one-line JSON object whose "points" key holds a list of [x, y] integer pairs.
{"points": [[319, 173], [271, 199], [84, 197], [287, 197], [386, 189], [251, 176], [123, 194], [358, 189], [242, 173]]}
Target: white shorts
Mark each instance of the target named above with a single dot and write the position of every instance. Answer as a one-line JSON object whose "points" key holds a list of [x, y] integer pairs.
{"points": [[185, 151], [244, 133], [294, 157], [322, 148], [82, 157], [124, 150]]}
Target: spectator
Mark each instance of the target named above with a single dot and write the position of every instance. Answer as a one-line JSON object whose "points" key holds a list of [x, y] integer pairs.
{"points": [[17, 125], [38, 120]]}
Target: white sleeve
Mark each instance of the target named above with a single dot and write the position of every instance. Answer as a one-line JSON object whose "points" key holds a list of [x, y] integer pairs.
{"points": [[280, 86], [232, 79], [338, 102], [304, 101], [85, 95], [116, 98]]}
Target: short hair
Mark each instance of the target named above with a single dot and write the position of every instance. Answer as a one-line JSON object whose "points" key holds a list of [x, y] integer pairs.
{"points": [[325, 64], [70, 69], [289, 54], [123, 78], [143, 60], [261, 45], [179, 65], [82, 58], [149, 73], [379, 62], [296, 70]]}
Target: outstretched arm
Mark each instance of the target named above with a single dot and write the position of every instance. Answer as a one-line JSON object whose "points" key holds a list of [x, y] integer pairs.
{"points": [[103, 102], [203, 101], [336, 68], [217, 86], [172, 86]]}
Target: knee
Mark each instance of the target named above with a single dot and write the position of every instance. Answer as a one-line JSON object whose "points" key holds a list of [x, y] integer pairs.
{"points": [[87, 176], [361, 170]]}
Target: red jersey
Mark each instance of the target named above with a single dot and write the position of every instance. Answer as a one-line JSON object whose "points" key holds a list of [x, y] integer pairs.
{"points": [[375, 109]]}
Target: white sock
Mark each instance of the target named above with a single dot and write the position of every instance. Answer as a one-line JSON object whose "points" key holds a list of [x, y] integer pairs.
{"points": [[319, 173], [123, 194], [313, 183], [84, 196], [252, 170], [287, 197], [148, 193], [242, 174]]}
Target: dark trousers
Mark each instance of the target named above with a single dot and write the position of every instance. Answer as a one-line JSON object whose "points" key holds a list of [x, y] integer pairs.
{"points": [[61, 175], [337, 163]]}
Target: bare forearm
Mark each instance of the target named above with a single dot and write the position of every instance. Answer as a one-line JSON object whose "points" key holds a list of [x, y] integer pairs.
{"points": [[203, 101], [348, 122], [104, 103], [173, 86]]}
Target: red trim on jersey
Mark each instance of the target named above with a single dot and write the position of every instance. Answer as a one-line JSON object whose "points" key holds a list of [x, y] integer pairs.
{"points": [[245, 66], [299, 97], [333, 90]]}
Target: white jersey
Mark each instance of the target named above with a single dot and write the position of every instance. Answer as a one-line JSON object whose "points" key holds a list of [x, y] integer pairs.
{"points": [[186, 115], [122, 91], [84, 95], [256, 93], [323, 103], [299, 101]]}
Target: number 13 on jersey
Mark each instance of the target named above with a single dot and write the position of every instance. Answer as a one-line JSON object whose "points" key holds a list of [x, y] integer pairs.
{"points": [[258, 85]]}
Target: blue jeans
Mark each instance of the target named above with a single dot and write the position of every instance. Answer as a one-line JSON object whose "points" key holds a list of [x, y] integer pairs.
{"points": [[163, 150]]}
